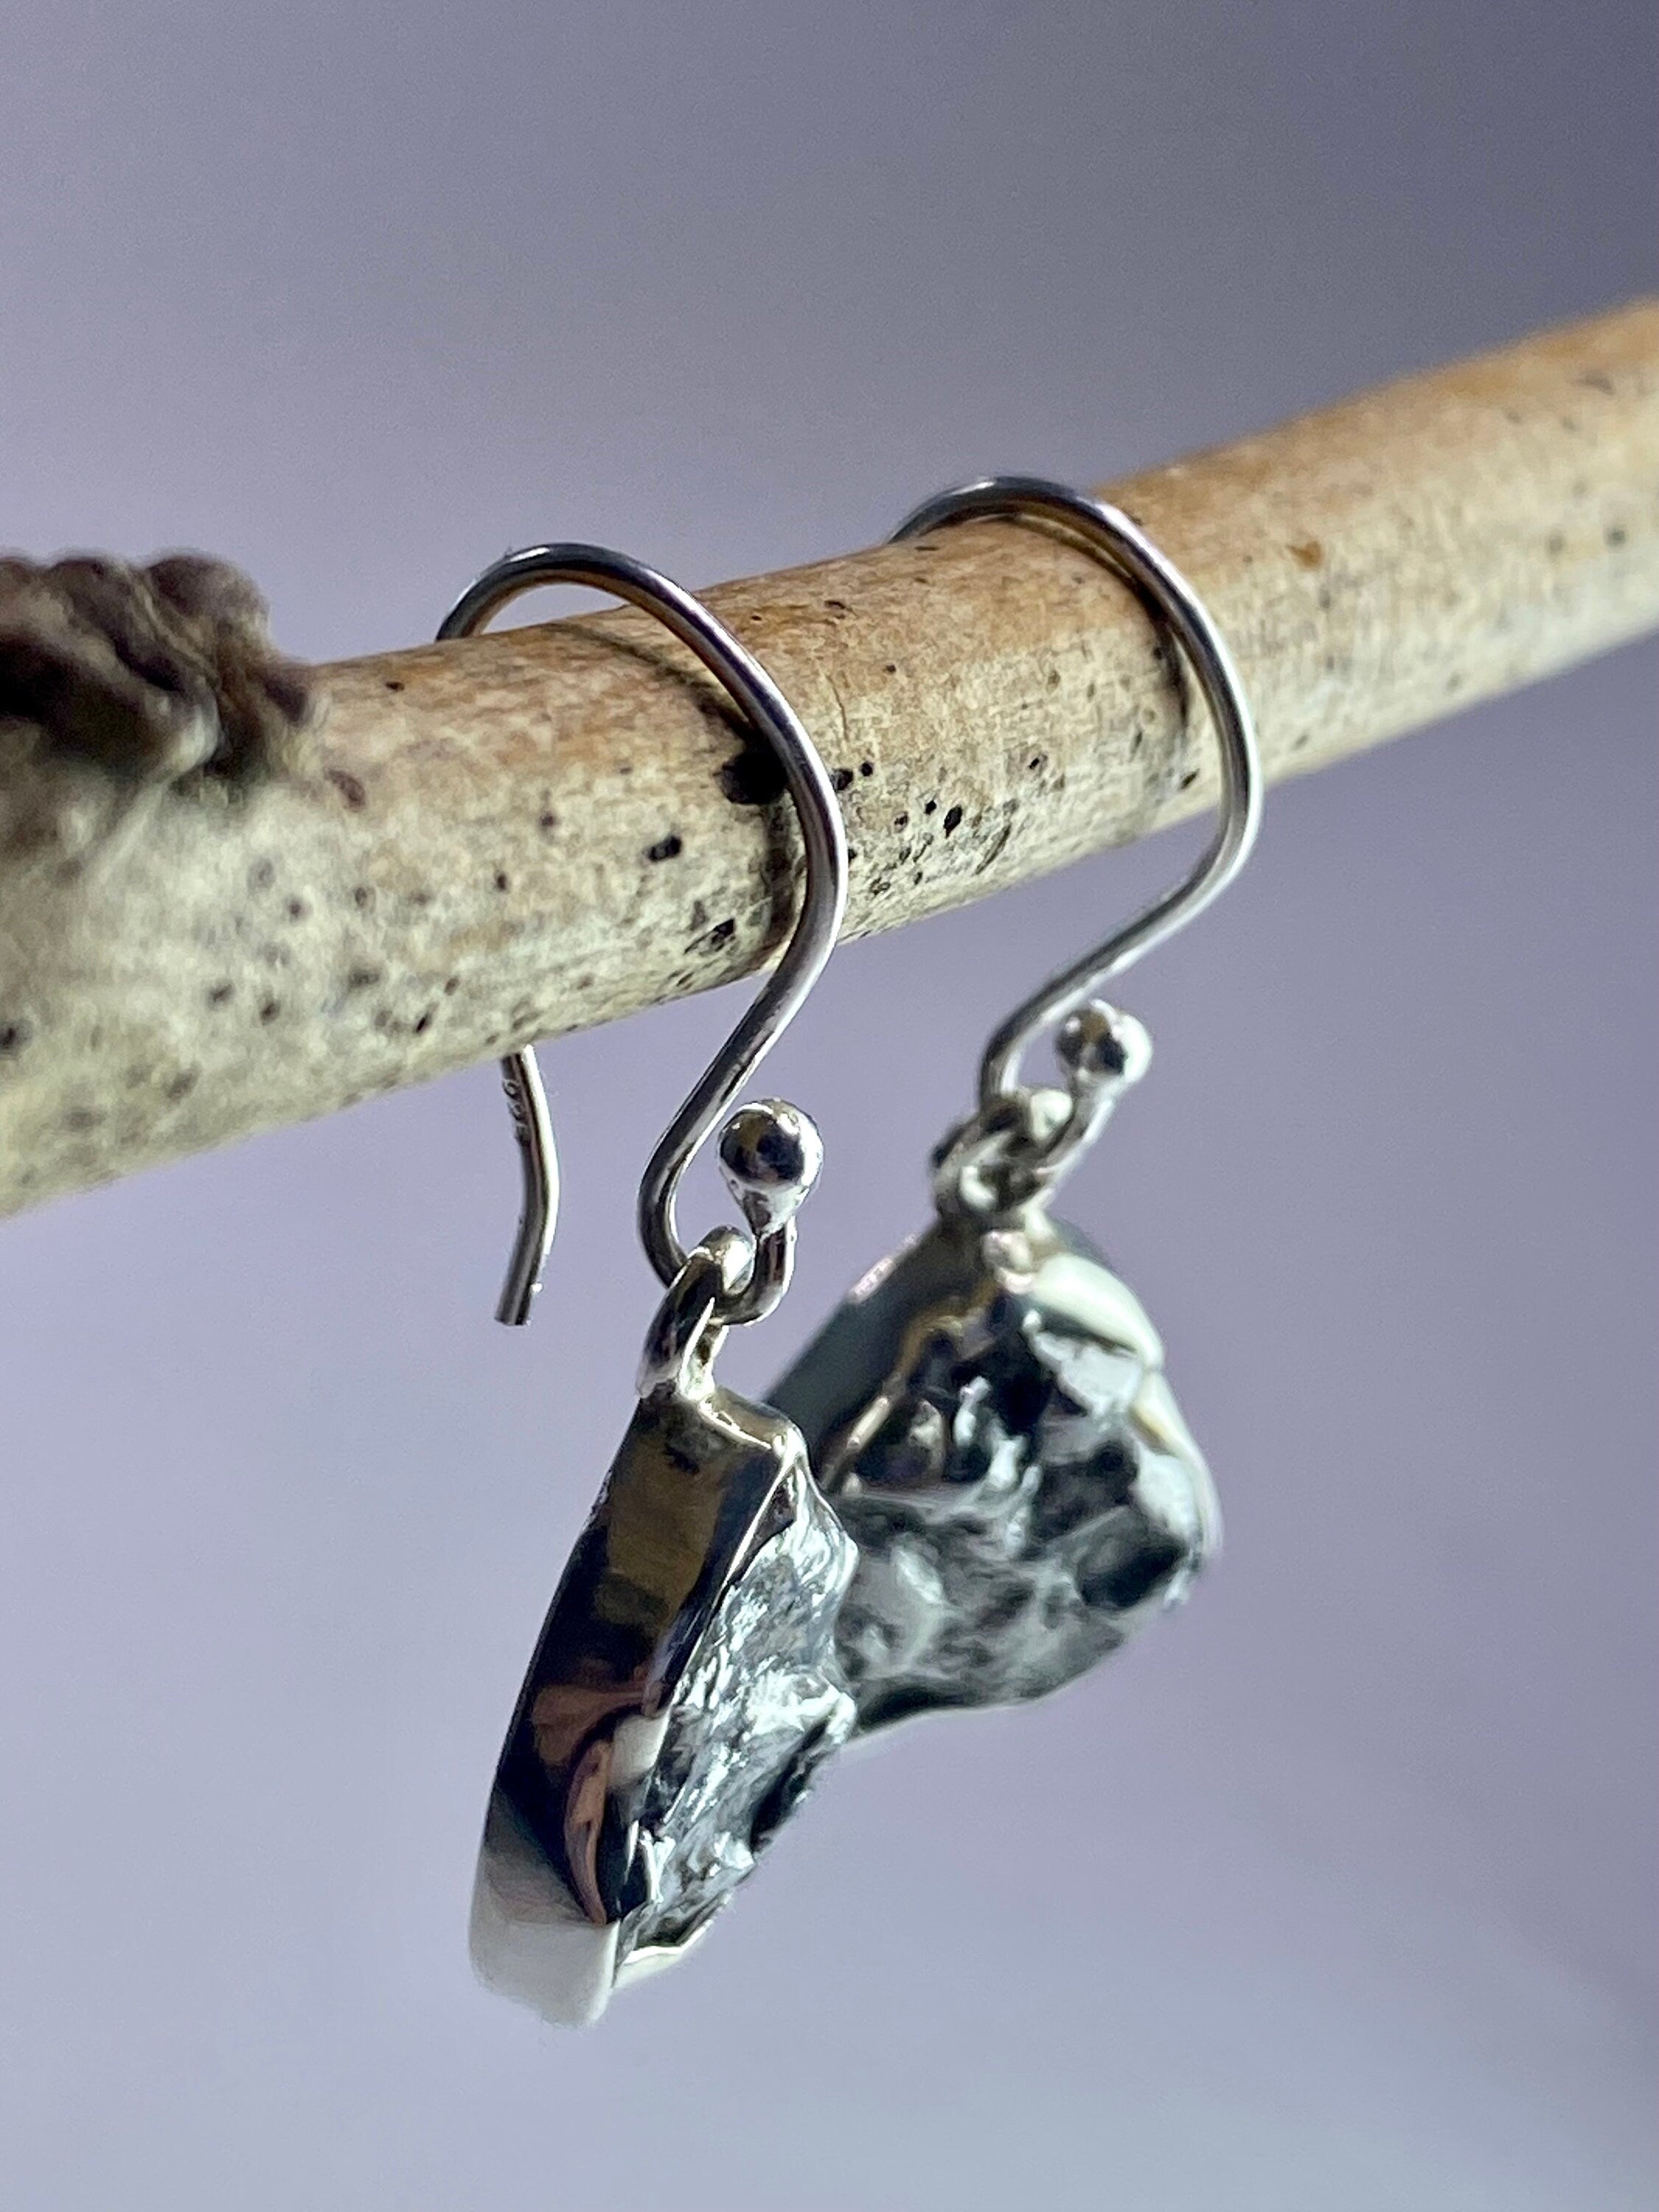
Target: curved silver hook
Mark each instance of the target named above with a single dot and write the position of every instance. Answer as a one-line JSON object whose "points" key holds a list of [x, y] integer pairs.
{"points": [[823, 903], [539, 1164], [1156, 581]]}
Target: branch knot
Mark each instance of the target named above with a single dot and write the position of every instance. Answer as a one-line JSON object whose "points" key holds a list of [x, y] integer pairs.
{"points": [[118, 683]]}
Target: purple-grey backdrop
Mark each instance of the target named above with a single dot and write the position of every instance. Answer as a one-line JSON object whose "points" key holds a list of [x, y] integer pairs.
{"points": [[1333, 1894]]}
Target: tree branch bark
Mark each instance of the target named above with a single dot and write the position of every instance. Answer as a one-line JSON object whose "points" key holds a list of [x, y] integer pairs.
{"points": [[518, 836]]}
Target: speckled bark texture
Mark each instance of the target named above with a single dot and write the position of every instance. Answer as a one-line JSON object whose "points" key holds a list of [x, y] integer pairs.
{"points": [[524, 834]]}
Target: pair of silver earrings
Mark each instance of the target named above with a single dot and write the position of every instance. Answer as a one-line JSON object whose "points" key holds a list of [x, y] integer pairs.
{"points": [[972, 1485]]}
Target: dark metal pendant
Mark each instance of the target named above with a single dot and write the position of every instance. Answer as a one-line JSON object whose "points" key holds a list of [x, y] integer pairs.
{"points": [[684, 1690], [989, 1414]]}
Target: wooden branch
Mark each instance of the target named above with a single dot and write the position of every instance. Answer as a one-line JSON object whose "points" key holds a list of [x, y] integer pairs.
{"points": [[525, 834]]}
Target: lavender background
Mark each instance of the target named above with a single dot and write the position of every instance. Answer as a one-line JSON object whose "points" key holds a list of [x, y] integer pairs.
{"points": [[1333, 1894]]}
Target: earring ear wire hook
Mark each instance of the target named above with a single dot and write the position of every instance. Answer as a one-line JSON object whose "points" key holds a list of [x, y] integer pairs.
{"points": [[1169, 597], [816, 927]]}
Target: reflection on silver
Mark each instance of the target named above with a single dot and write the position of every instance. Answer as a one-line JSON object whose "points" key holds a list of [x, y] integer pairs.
{"points": [[685, 1685], [987, 1413], [685, 1689], [1013, 1485], [987, 1410]]}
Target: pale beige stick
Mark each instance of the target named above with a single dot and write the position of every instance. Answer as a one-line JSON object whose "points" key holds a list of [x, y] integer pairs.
{"points": [[522, 835]]}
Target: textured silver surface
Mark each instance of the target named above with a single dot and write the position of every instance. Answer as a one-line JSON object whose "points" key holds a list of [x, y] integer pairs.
{"points": [[989, 1414], [760, 1706], [684, 1688]]}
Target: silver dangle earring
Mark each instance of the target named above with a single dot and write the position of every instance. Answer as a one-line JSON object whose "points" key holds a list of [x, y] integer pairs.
{"points": [[685, 1685], [987, 1410]]}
